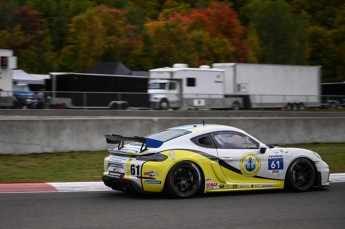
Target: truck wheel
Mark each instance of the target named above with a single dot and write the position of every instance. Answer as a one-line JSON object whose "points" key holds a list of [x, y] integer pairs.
{"points": [[301, 106], [17, 105], [288, 106], [164, 104], [236, 106], [118, 105]]}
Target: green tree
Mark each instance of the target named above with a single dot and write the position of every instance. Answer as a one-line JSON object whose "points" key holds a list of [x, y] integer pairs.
{"points": [[171, 43], [27, 35], [326, 35], [282, 35], [99, 34]]}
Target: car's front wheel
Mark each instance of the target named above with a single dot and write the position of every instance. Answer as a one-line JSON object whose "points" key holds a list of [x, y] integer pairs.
{"points": [[184, 180], [301, 175]]}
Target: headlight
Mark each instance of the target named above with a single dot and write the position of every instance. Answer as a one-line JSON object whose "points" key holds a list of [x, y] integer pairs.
{"points": [[317, 155]]}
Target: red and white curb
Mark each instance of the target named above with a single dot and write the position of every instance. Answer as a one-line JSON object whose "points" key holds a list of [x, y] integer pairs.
{"points": [[53, 187], [87, 186]]}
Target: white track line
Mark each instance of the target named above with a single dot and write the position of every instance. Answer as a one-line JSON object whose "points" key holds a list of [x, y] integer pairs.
{"points": [[79, 186], [337, 177]]}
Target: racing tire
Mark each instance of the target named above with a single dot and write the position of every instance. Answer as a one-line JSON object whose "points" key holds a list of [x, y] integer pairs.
{"points": [[164, 104], [184, 180], [300, 175]]}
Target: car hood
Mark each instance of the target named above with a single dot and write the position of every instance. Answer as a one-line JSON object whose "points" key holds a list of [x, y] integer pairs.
{"points": [[24, 94], [296, 152], [156, 91]]}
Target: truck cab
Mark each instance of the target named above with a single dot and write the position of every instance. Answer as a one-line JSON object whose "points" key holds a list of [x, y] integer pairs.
{"points": [[24, 97], [164, 94]]}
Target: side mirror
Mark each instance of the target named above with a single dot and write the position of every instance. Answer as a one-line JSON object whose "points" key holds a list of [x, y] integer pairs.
{"points": [[263, 149]]}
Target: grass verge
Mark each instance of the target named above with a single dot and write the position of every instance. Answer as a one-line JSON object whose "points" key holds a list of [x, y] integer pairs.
{"points": [[88, 166]]}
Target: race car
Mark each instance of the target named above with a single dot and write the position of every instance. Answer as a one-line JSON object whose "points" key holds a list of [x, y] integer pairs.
{"points": [[187, 160]]}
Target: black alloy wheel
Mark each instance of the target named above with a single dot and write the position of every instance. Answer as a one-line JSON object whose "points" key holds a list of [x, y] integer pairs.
{"points": [[300, 175], [184, 180]]}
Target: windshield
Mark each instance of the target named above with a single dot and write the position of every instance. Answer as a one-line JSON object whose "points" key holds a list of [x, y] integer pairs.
{"points": [[156, 85], [21, 88], [169, 134]]}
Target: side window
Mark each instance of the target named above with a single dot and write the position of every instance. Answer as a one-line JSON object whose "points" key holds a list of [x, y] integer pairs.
{"points": [[204, 141], [172, 86], [234, 140], [191, 82]]}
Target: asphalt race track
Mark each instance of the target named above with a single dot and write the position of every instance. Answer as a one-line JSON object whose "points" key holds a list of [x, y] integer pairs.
{"points": [[319, 208]]}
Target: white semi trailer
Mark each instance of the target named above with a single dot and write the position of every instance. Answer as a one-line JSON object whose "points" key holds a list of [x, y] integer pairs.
{"points": [[235, 86], [7, 63]]}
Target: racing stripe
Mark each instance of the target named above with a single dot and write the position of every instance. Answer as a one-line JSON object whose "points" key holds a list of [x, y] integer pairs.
{"points": [[233, 169], [229, 167]]}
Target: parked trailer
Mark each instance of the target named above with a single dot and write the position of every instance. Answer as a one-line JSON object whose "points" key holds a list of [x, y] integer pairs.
{"points": [[234, 86], [333, 95], [7, 63], [273, 86], [83, 90]]}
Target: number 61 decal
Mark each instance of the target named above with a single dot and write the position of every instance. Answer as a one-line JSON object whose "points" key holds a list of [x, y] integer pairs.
{"points": [[276, 162], [135, 170]]}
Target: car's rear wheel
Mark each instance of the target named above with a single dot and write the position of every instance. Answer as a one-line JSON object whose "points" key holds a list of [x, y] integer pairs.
{"points": [[184, 180], [301, 175]]}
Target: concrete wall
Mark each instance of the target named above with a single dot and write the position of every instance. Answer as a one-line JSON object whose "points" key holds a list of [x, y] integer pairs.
{"points": [[32, 134]]}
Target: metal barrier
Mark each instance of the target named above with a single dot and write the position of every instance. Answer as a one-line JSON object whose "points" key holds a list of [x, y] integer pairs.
{"points": [[124, 100]]}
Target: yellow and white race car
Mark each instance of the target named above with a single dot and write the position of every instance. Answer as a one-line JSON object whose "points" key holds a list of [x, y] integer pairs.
{"points": [[186, 160]]}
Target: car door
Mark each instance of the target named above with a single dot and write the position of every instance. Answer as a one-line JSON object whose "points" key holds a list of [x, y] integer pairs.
{"points": [[240, 158]]}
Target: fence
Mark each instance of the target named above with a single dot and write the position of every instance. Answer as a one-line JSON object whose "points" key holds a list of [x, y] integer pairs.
{"points": [[123, 100]]}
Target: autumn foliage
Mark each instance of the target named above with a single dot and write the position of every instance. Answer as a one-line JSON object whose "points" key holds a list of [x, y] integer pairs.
{"points": [[73, 35]]}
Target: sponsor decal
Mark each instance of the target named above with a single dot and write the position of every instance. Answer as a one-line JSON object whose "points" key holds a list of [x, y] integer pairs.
{"points": [[116, 168], [151, 173], [221, 186], [256, 185], [250, 164], [285, 152], [275, 162], [244, 186], [119, 166], [116, 174], [116, 159], [212, 185], [153, 181], [232, 186], [208, 179], [267, 185], [172, 155]]}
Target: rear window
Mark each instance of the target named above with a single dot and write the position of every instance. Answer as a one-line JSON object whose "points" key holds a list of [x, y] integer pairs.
{"points": [[169, 134]]}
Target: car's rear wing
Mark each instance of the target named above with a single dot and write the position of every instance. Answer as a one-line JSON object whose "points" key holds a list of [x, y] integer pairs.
{"points": [[120, 140]]}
